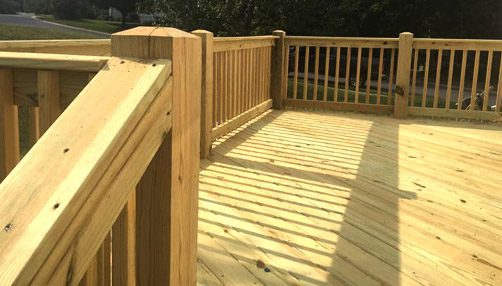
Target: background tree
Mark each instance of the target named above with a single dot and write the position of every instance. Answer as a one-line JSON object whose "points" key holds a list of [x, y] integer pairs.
{"points": [[425, 18], [9, 6], [124, 6]]}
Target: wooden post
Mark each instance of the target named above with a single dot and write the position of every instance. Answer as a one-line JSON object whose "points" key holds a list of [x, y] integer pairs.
{"points": [[9, 132], [167, 195], [279, 79], [403, 75], [207, 97]]}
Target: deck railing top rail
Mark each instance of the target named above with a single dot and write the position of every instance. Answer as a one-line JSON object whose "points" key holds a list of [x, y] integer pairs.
{"points": [[100, 47]]}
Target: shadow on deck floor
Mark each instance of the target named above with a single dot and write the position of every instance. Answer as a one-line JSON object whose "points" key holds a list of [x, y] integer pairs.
{"points": [[297, 198]]}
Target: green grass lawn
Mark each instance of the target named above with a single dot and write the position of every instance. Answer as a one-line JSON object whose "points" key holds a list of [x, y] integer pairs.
{"points": [[17, 32], [352, 94], [95, 25]]}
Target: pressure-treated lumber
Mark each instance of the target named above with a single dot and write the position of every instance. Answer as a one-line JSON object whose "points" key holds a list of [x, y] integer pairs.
{"points": [[207, 95], [403, 75], [52, 61], [168, 192], [454, 113], [124, 245], [89, 155], [49, 98], [458, 44], [339, 106], [350, 42], [325, 198], [9, 126], [242, 118], [278, 87], [71, 47], [239, 43]]}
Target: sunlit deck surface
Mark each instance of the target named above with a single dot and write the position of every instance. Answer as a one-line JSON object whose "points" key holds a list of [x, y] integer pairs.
{"points": [[336, 199]]}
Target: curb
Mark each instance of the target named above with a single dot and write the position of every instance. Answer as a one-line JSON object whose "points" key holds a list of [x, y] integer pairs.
{"points": [[73, 28]]}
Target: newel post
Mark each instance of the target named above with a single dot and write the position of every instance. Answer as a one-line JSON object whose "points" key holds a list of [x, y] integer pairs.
{"points": [[279, 80], [403, 75], [167, 194], [206, 118]]}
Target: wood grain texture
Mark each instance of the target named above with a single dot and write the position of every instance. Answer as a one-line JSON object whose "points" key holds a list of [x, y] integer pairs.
{"points": [[279, 77], [47, 223], [52, 61], [403, 75], [48, 98], [207, 88], [352, 199], [124, 245], [9, 125], [167, 195]]}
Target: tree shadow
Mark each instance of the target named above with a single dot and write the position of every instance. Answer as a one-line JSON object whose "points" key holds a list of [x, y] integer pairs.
{"points": [[314, 196]]}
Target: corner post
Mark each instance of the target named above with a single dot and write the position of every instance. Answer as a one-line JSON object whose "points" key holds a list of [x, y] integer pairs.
{"points": [[279, 81], [167, 194], [403, 75], [206, 118]]}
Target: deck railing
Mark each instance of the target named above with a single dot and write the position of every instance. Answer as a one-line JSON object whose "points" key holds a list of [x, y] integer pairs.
{"points": [[464, 74], [108, 192], [341, 73], [120, 159], [245, 76]]}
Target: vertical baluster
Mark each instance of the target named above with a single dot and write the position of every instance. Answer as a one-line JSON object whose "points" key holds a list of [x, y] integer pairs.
{"points": [[450, 79], [235, 84], [306, 73], [337, 74], [498, 104], [104, 263], [474, 86], [368, 76], [286, 73], [391, 76], [34, 124], [326, 74], [124, 245], [9, 129], [426, 77], [295, 76], [414, 79], [48, 98], [358, 74], [438, 78], [316, 73], [489, 65], [380, 71], [462, 80], [347, 75]]}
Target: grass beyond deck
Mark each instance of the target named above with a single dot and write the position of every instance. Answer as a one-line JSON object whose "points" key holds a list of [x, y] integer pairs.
{"points": [[298, 198]]}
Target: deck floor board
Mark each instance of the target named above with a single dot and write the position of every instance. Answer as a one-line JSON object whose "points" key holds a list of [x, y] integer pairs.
{"points": [[297, 198]]}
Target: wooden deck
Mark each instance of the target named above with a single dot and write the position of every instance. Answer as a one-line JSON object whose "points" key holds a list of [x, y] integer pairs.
{"points": [[350, 199]]}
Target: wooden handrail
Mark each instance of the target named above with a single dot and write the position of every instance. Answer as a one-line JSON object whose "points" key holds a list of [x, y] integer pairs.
{"points": [[469, 44], [52, 61], [222, 44], [74, 180], [342, 42]]}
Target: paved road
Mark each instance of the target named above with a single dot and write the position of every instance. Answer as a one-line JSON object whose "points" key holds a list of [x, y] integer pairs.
{"points": [[29, 21]]}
